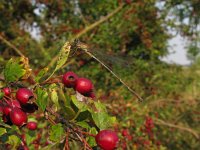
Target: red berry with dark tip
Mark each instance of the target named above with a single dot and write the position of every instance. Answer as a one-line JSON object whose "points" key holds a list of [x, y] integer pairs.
{"points": [[7, 91], [23, 95], [29, 108], [18, 117], [31, 125], [107, 139], [84, 86], [69, 79], [7, 110]]}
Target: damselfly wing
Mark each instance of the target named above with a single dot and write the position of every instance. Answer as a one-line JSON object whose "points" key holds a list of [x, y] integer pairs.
{"points": [[104, 60]]}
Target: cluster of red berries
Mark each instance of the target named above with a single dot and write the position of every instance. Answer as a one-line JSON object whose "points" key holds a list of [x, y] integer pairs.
{"points": [[15, 109], [82, 85], [149, 125], [106, 139]]}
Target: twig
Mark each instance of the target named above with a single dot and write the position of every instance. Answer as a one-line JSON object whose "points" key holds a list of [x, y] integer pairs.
{"points": [[11, 46], [67, 142], [48, 118], [95, 24], [83, 140], [161, 122]]}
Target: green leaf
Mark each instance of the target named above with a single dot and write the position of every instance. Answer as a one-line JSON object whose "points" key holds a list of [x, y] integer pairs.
{"points": [[41, 74], [83, 124], [91, 140], [80, 105], [13, 140], [100, 107], [42, 97], [30, 137], [3, 124], [54, 97], [63, 55], [1, 95], [56, 133], [68, 112], [103, 120], [2, 131], [81, 116], [13, 70], [62, 58]]}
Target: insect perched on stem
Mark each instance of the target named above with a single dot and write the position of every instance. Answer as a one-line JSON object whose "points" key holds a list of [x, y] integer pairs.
{"points": [[77, 45]]}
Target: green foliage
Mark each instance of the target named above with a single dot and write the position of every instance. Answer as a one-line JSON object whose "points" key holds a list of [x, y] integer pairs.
{"points": [[91, 140], [42, 98], [30, 137], [41, 74], [2, 131], [13, 140], [103, 120], [56, 133], [13, 70], [1, 95]]}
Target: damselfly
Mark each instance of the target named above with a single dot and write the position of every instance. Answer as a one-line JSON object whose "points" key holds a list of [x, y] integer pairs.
{"points": [[81, 46]]}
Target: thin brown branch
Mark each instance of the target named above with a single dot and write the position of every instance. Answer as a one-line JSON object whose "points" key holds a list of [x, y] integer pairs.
{"points": [[95, 24], [193, 132], [11, 46], [49, 119], [67, 142]]}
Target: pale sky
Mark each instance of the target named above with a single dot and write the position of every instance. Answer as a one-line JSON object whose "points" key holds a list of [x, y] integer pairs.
{"points": [[177, 51]]}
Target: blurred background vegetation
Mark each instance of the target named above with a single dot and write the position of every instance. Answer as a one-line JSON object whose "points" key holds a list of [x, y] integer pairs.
{"points": [[130, 36]]}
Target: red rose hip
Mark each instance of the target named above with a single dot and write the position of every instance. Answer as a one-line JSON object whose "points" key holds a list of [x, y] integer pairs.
{"points": [[31, 125], [7, 110], [14, 103], [7, 91], [18, 117], [69, 79], [84, 86], [107, 139], [23, 95]]}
